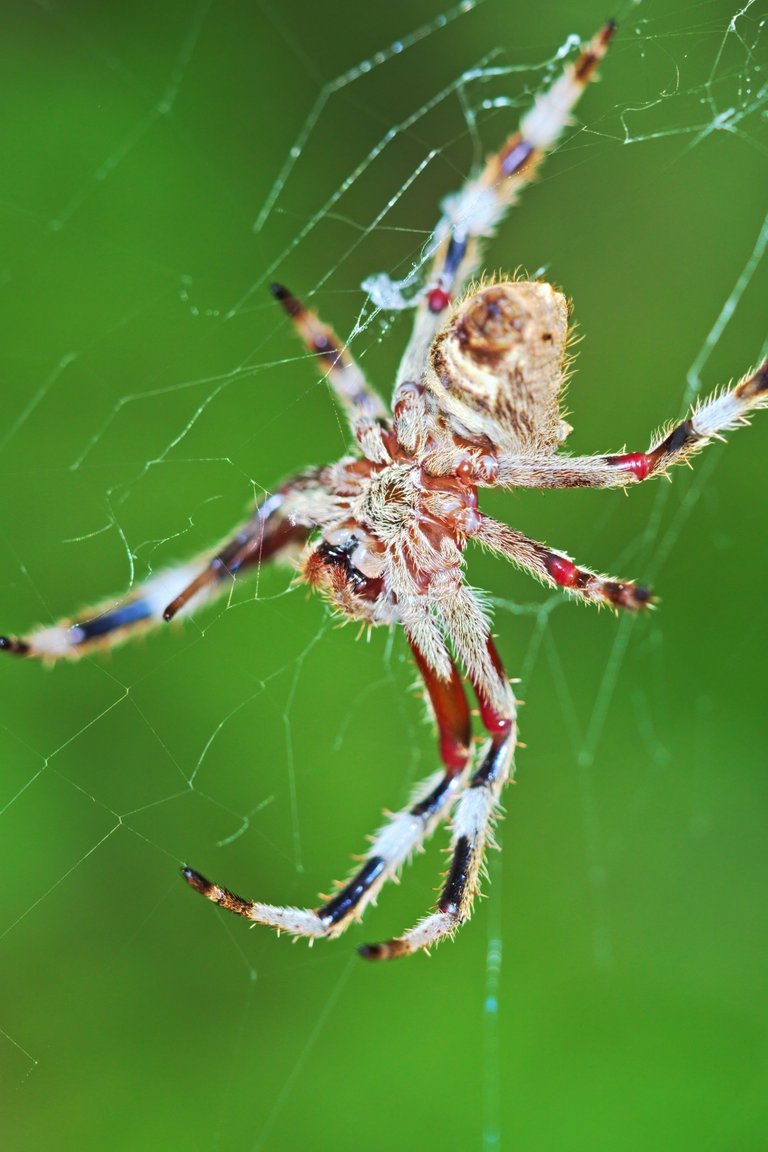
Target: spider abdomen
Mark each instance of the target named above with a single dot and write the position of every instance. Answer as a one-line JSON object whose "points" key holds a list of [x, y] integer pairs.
{"points": [[498, 364]]}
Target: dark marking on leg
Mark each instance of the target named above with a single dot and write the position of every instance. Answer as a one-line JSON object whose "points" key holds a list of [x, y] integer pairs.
{"points": [[439, 297], [754, 384], [451, 896], [680, 437], [432, 801], [131, 613], [352, 893], [387, 951], [588, 60], [292, 305], [457, 250], [318, 337], [623, 594], [14, 647], [633, 597], [516, 155], [266, 534], [492, 765]]}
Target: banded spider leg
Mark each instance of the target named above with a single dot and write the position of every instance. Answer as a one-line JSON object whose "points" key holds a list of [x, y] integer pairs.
{"points": [[473, 214], [279, 525], [276, 530], [406, 831], [722, 411], [476, 404]]}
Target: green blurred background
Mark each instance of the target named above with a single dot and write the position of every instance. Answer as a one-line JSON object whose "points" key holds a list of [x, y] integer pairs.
{"points": [[610, 993]]}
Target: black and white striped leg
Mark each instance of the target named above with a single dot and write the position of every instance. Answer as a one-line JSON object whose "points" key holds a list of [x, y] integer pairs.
{"points": [[270, 532], [558, 570], [342, 372], [472, 214], [477, 808], [723, 411], [404, 833]]}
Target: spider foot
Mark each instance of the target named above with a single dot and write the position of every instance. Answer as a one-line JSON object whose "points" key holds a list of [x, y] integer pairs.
{"points": [[388, 951], [14, 647], [218, 895], [431, 931], [293, 921], [624, 594]]}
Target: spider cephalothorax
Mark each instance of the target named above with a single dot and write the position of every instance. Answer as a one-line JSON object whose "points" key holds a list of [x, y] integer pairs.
{"points": [[383, 531], [402, 517]]}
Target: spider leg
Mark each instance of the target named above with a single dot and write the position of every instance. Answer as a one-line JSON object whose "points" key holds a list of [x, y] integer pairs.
{"points": [[721, 412], [476, 809], [464, 621], [342, 373], [558, 570], [474, 213], [281, 522], [392, 846]]}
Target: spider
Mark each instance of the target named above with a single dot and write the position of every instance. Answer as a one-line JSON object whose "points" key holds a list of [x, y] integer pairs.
{"points": [[382, 532]]}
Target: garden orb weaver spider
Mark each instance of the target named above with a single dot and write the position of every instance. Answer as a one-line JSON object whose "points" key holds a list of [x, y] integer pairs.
{"points": [[382, 532]]}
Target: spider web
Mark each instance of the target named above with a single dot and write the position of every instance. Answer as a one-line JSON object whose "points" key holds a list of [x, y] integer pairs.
{"points": [[162, 165]]}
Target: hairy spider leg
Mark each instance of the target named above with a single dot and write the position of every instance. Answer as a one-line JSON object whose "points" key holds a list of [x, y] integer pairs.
{"points": [[476, 809], [268, 534], [474, 213], [479, 803], [722, 411], [558, 570], [392, 846], [342, 373], [265, 535]]}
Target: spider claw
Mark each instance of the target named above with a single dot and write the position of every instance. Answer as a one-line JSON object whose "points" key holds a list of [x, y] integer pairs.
{"points": [[395, 948], [14, 647], [369, 951], [388, 950], [286, 298], [196, 881]]}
